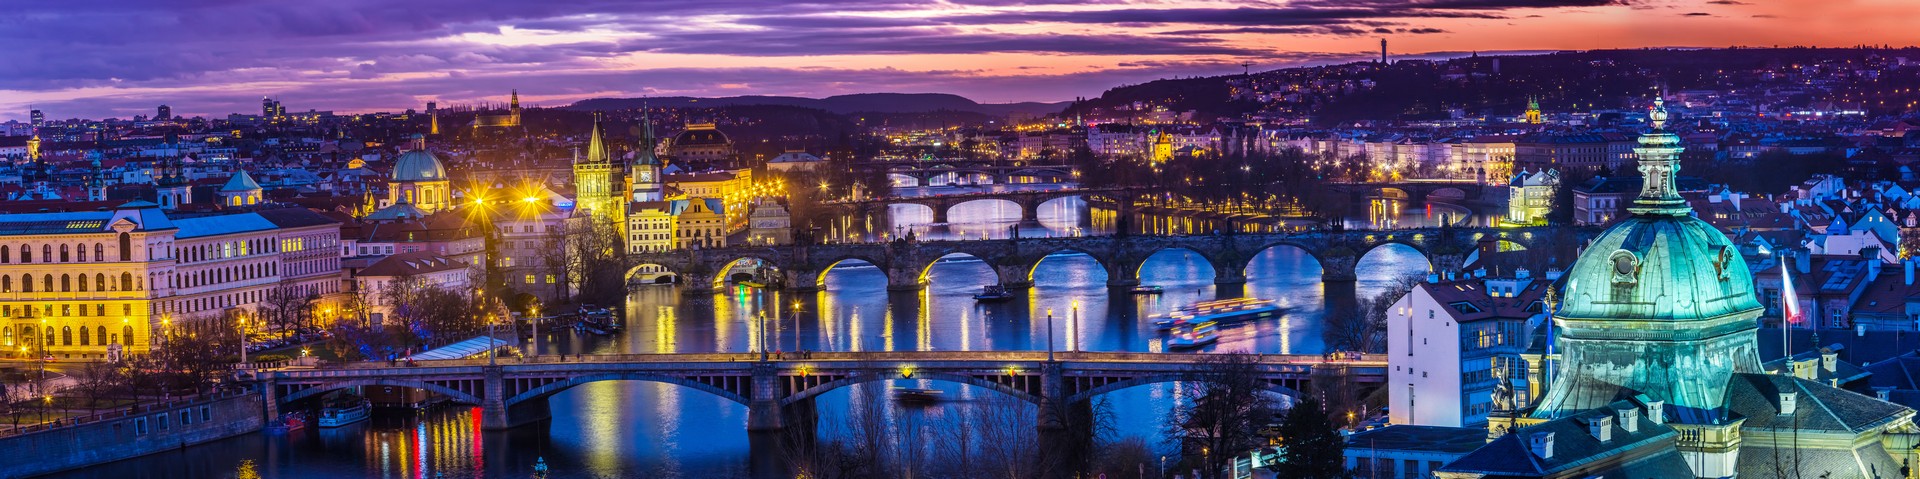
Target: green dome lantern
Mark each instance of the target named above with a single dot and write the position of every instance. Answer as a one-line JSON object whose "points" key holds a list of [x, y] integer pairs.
{"points": [[1660, 304]]}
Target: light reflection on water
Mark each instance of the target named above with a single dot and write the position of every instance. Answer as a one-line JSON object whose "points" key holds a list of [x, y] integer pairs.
{"points": [[632, 429]]}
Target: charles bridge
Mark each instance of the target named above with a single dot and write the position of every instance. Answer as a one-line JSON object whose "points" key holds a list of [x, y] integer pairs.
{"points": [[906, 263], [779, 391]]}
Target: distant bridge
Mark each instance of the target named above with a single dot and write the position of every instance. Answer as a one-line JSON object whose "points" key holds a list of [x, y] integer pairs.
{"points": [[1414, 191], [906, 263], [515, 392], [973, 171], [1028, 200]]}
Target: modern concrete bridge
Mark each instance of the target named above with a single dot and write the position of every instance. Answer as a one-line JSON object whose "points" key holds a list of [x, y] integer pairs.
{"points": [[515, 391], [996, 172], [906, 263]]}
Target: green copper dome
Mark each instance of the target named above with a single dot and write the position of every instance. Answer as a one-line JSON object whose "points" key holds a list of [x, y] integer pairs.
{"points": [[1660, 304], [419, 165]]}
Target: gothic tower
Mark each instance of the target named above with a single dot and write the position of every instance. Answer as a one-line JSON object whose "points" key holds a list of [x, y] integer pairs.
{"points": [[513, 107], [645, 176], [1533, 111], [593, 180]]}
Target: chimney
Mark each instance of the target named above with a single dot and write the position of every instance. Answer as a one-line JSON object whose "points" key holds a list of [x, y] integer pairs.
{"points": [[1480, 273], [1541, 444], [1656, 412], [1909, 265], [1829, 360], [1883, 394], [1629, 418], [1451, 275], [1433, 277], [1787, 402], [1553, 274], [1803, 261], [1522, 273], [1601, 428]]}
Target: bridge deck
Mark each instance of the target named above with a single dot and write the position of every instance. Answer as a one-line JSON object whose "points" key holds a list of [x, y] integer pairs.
{"points": [[1073, 360]]}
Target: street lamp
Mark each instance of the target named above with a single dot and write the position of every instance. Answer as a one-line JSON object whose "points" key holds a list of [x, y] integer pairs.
{"points": [[1049, 334], [795, 312]]}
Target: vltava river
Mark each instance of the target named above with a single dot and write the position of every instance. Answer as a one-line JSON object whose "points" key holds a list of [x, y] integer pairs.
{"points": [[640, 429]]}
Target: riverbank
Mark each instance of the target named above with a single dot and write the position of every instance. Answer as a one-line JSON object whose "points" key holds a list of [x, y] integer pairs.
{"points": [[137, 431]]}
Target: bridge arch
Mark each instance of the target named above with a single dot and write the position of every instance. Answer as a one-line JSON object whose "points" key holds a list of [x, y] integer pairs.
{"points": [[1211, 263], [878, 375], [1107, 265], [323, 388], [1312, 255], [926, 270], [1020, 210], [725, 270], [1090, 393], [553, 388], [827, 267], [902, 180], [652, 273]]}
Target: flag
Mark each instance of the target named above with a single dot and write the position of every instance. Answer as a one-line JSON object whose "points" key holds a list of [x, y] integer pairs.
{"points": [[1789, 302]]}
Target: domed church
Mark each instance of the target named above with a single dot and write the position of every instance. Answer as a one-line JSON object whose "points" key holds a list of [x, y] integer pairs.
{"points": [[1659, 376], [420, 179]]}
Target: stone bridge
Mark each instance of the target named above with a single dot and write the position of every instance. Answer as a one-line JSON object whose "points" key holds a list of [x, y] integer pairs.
{"points": [[515, 391], [1029, 201], [924, 171], [906, 263], [1415, 191]]}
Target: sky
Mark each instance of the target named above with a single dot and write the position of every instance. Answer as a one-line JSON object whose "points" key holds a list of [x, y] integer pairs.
{"points": [[120, 58]]}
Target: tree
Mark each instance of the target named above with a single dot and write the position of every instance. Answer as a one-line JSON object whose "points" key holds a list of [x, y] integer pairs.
{"points": [[1229, 406], [595, 261], [199, 355], [1364, 329], [94, 381], [1310, 448], [285, 307]]}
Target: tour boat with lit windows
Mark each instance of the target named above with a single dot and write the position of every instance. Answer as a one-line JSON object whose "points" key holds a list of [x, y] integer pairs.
{"points": [[1146, 289], [916, 395], [1225, 311], [332, 416], [1194, 335]]}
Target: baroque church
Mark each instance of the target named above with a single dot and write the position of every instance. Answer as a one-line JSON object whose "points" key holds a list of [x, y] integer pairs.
{"points": [[1659, 376]]}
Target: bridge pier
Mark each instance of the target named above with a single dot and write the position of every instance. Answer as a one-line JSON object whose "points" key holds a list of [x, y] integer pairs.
{"points": [[798, 281], [493, 402], [1013, 277], [1030, 212], [1338, 269], [270, 399], [763, 407], [1123, 273], [940, 214]]}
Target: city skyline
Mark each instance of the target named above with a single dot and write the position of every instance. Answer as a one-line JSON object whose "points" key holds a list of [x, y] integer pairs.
{"points": [[359, 57]]}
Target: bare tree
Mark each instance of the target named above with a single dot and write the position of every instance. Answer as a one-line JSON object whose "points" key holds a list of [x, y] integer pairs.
{"points": [[286, 307], [95, 381], [1364, 329], [1229, 406]]}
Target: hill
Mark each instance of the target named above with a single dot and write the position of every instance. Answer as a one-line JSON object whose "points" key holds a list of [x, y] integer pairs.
{"points": [[840, 104]]}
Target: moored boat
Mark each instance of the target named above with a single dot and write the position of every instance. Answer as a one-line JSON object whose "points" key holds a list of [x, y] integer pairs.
{"points": [[993, 294], [1195, 335], [336, 416]]}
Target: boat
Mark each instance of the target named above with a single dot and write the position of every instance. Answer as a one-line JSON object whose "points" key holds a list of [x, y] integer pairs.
{"points": [[599, 321], [993, 294], [540, 468], [288, 422], [1224, 311], [1146, 289], [916, 395], [340, 416], [1192, 336], [753, 284]]}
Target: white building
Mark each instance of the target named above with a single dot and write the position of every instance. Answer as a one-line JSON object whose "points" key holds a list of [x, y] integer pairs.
{"points": [[1451, 344], [416, 269]]}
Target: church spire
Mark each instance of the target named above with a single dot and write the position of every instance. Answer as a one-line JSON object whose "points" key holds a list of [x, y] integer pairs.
{"points": [[1659, 153], [596, 145]]}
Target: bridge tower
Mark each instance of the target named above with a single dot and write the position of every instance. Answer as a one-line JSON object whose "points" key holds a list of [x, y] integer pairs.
{"points": [[593, 182]]}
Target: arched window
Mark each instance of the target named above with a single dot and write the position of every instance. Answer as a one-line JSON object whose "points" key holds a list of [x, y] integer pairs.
{"points": [[64, 255], [8, 332], [49, 337], [6, 284], [46, 253], [99, 252], [99, 282], [46, 283], [126, 247], [26, 283], [126, 281], [85, 339], [66, 335], [100, 334], [83, 283], [126, 335], [66, 283], [26, 253], [6, 254]]}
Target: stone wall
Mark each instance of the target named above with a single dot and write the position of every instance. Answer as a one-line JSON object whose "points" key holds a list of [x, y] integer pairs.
{"points": [[129, 434]]}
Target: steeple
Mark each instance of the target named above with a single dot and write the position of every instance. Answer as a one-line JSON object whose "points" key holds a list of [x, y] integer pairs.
{"points": [[596, 144], [1659, 152], [647, 141]]}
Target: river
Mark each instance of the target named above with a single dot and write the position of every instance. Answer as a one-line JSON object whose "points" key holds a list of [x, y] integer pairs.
{"points": [[643, 429]]}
